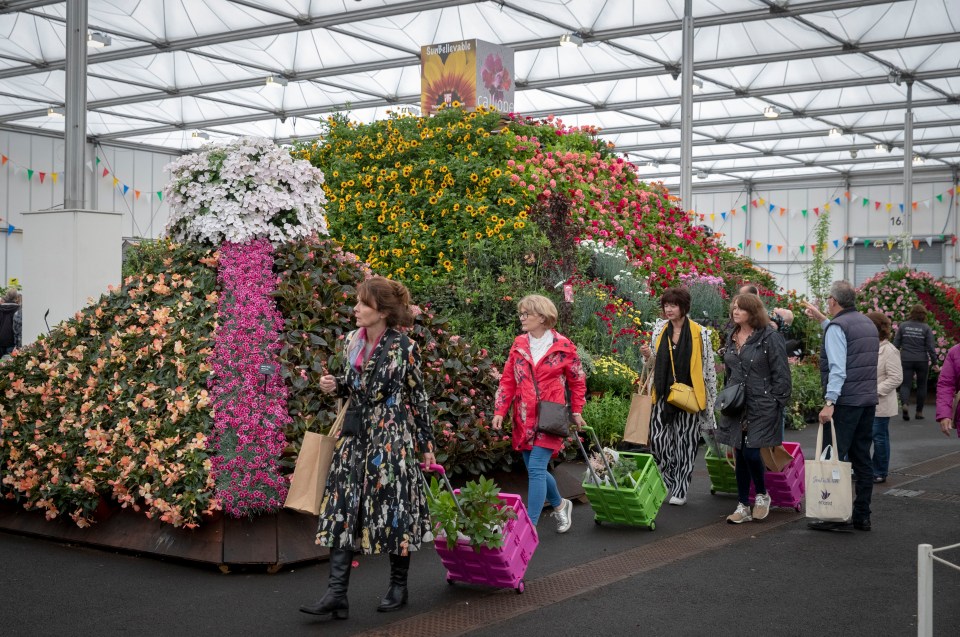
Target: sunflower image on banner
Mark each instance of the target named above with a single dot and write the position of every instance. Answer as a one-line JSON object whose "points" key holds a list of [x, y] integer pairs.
{"points": [[448, 74]]}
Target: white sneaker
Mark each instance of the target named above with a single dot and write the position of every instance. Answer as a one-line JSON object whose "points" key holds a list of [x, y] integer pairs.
{"points": [[563, 515], [761, 506], [742, 514], [675, 501]]}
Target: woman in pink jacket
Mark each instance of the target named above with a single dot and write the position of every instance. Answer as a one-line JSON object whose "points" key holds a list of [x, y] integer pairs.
{"points": [[947, 387], [542, 365]]}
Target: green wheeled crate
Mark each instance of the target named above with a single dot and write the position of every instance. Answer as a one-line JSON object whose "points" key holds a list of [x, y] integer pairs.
{"points": [[632, 505], [723, 478]]}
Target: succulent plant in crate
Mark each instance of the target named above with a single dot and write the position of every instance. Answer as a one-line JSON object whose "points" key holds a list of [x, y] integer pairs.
{"points": [[483, 513]]}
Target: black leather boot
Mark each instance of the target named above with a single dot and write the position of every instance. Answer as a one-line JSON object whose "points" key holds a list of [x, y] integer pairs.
{"points": [[334, 601], [396, 597]]}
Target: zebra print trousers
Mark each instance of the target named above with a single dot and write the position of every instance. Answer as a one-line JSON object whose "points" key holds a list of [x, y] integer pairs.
{"points": [[674, 448]]}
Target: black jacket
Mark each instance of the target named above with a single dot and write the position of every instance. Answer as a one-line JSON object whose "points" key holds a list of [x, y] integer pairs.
{"points": [[915, 342], [763, 359]]}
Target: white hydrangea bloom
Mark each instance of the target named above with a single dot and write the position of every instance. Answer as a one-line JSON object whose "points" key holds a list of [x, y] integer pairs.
{"points": [[244, 190]]}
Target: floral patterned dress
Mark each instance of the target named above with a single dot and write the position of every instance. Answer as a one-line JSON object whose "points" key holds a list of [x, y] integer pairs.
{"points": [[375, 500]]}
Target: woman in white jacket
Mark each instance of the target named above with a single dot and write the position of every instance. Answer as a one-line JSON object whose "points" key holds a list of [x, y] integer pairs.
{"points": [[889, 377]]}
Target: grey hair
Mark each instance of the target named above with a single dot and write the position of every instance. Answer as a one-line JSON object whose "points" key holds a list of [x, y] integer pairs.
{"points": [[844, 294], [12, 296]]}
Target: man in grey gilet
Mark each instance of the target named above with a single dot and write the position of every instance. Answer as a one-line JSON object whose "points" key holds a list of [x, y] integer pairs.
{"points": [[848, 372]]}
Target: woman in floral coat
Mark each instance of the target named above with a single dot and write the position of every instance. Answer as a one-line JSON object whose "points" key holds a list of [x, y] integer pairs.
{"points": [[375, 501], [549, 356]]}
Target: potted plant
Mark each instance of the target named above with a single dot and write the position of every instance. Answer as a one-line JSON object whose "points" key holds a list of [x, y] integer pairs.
{"points": [[477, 515], [483, 536]]}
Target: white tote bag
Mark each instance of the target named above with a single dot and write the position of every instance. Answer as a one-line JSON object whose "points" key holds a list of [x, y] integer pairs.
{"points": [[829, 494]]}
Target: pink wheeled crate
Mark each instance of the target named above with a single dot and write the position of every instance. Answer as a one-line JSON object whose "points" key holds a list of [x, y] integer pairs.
{"points": [[785, 488], [502, 567]]}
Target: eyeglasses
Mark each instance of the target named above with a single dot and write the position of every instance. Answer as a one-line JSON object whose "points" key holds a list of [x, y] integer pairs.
{"points": [[524, 315]]}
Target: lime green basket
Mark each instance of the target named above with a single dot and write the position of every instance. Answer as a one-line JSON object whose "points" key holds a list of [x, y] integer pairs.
{"points": [[631, 505], [723, 479]]}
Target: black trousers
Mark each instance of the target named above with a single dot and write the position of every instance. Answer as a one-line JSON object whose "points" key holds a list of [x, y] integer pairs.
{"points": [[854, 427], [921, 369]]}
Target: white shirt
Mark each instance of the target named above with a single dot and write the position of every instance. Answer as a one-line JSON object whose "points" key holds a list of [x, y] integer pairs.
{"points": [[539, 346]]}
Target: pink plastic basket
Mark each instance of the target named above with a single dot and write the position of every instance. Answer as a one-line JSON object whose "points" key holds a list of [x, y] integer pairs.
{"points": [[785, 488], [503, 567]]}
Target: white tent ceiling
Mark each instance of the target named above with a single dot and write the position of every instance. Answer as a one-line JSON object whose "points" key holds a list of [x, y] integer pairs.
{"points": [[179, 66]]}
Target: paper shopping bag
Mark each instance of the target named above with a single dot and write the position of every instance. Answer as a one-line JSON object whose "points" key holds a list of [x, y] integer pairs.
{"points": [[637, 429], [313, 465], [829, 494], [775, 459]]}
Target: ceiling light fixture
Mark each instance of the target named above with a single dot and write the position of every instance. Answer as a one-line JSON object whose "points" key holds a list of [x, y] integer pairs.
{"points": [[199, 134], [277, 81], [56, 111], [771, 112], [835, 132], [697, 85], [883, 149], [571, 39], [918, 160], [98, 40], [701, 174]]}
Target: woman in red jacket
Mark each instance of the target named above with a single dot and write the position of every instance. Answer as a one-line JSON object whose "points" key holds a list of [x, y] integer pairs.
{"points": [[545, 360]]}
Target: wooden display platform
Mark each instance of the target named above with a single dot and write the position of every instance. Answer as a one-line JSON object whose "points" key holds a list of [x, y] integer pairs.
{"points": [[273, 541]]}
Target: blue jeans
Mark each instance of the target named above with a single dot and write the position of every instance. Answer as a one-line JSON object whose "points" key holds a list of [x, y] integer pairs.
{"points": [[542, 487], [881, 446]]}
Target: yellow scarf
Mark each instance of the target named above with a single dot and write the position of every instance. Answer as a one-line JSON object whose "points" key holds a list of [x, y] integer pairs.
{"points": [[696, 364]]}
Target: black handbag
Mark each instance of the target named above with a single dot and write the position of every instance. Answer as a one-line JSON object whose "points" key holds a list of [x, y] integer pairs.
{"points": [[732, 399], [353, 419], [552, 418]]}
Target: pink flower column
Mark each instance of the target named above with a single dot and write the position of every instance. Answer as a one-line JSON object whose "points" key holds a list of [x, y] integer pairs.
{"points": [[249, 414]]}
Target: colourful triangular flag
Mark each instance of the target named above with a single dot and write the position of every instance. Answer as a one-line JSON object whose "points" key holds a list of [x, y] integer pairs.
{"points": [[837, 201], [105, 173], [783, 211], [42, 176], [865, 201], [98, 161], [160, 195], [54, 177], [115, 182], [779, 249], [29, 174], [744, 207], [769, 248], [723, 216], [930, 241], [816, 211], [125, 188], [136, 194], [914, 205], [753, 202], [890, 206], [802, 248], [876, 205], [826, 207], [10, 228], [3, 160], [740, 245], [916, 244], [940, 197], [772, 208], [836, 243], [803, 212], [866, 243], [901, 207], [847, 195], [762, 202]]}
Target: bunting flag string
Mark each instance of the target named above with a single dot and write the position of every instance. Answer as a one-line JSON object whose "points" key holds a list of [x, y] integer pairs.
{"points": [[54, 176], [772, 207]]}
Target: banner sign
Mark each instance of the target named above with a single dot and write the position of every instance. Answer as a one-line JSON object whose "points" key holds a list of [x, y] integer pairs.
{"points": [[466, 73]]}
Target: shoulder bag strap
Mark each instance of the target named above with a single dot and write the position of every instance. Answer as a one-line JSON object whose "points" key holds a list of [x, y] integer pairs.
{"points": [[670, 349]]}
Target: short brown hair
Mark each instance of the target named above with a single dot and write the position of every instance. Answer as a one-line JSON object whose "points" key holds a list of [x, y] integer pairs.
{"points": [[678, 297], [752, 305], [390, 297], [882, 321], [918, 313], [541, 306]]}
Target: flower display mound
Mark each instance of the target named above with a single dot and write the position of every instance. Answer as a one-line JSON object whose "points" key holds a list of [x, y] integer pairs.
{"points": [[894, 292], [413, 196], [316, 293], [113, 404]]}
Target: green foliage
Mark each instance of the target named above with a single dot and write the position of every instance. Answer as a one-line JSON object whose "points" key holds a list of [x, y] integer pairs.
{"points": [[146, 256], [607, 415], [610, 375], [316, 294], [625, 470], [807, 397], [707, 304], [819, 273], [483, 516]]}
